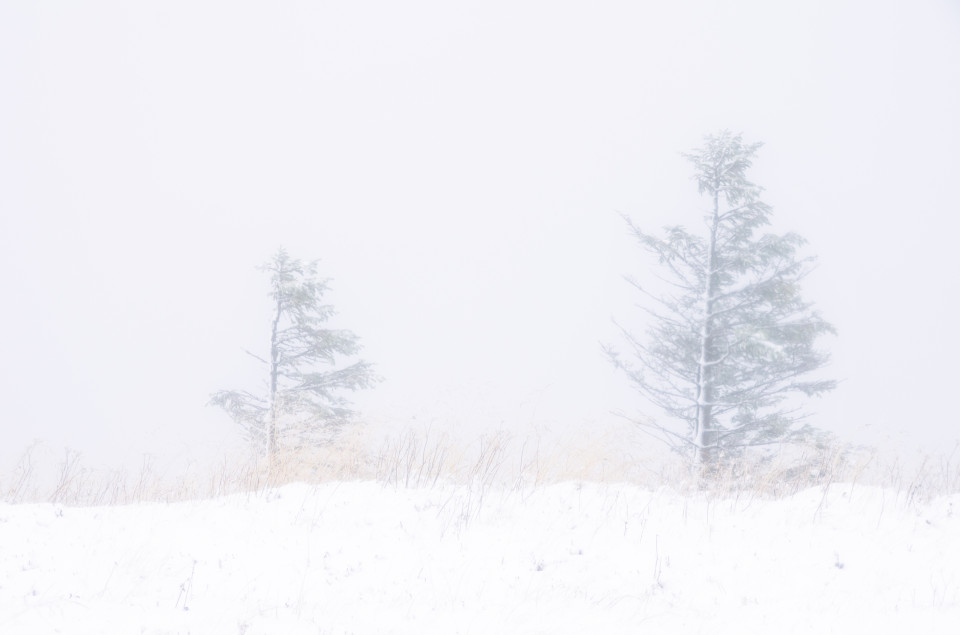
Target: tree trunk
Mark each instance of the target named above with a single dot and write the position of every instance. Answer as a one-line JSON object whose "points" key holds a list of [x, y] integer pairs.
{"points": [[272, 424], [705, 439]]}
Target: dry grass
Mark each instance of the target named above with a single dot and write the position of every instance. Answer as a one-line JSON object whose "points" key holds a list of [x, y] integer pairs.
{"points": [[424, 460]]}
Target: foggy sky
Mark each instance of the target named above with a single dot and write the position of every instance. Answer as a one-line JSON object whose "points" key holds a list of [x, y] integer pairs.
{"points": [[459, 169]]}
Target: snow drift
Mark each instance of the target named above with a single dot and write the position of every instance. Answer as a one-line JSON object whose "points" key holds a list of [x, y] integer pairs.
{"points": [[360, 557]]}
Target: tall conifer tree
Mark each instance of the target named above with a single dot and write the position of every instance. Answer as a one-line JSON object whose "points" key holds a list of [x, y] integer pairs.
{"points": [[730, 339]]}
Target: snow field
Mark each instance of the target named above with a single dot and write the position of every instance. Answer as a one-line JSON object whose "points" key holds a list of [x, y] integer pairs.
{"points": [[361, 557]]}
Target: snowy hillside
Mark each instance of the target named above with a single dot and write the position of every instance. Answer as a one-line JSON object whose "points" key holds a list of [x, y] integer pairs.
{"points": [[357, 557]]}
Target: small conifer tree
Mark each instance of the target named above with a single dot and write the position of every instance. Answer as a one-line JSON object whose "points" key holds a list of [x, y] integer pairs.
{"points": [[303, 399]]}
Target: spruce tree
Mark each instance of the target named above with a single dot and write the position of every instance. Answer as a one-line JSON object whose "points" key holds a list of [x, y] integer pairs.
{"points": [[302, 401], [730, 339]]}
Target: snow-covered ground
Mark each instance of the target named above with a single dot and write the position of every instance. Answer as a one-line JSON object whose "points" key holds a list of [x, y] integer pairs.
{"points": [[361, 557]]}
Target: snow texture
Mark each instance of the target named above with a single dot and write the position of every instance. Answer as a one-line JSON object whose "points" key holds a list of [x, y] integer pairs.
{"points": [[569, 558]]}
